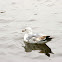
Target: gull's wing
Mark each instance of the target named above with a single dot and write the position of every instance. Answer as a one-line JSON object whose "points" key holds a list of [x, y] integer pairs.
{"points": [[38, 38]]}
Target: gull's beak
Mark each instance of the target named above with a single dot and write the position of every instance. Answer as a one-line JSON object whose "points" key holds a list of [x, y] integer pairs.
{"points": [[23, 30]]}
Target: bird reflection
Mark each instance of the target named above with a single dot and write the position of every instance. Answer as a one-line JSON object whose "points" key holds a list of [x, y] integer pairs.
{"points": [[34, 46]]}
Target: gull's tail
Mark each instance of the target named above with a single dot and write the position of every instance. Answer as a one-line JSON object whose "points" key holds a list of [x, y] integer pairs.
{"points": [[48, 38]]}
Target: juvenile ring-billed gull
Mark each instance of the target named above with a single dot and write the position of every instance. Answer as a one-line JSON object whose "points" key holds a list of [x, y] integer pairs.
{"points": [[35, 38]]}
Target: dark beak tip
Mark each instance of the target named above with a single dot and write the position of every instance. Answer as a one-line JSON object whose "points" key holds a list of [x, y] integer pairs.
{"points": [[23, 31]]}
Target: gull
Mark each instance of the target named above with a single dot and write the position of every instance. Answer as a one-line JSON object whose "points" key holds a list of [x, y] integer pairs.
{"points": [[35, 37]]}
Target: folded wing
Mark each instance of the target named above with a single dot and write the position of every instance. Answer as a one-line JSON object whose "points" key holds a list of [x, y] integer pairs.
{"points": [[36, 38]]}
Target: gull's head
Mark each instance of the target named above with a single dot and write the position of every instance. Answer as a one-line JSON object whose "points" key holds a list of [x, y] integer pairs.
{"points": [[27, 30]]}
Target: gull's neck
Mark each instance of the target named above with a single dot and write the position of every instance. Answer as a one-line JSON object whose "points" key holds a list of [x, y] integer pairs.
{"points": [[26, 36]]}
